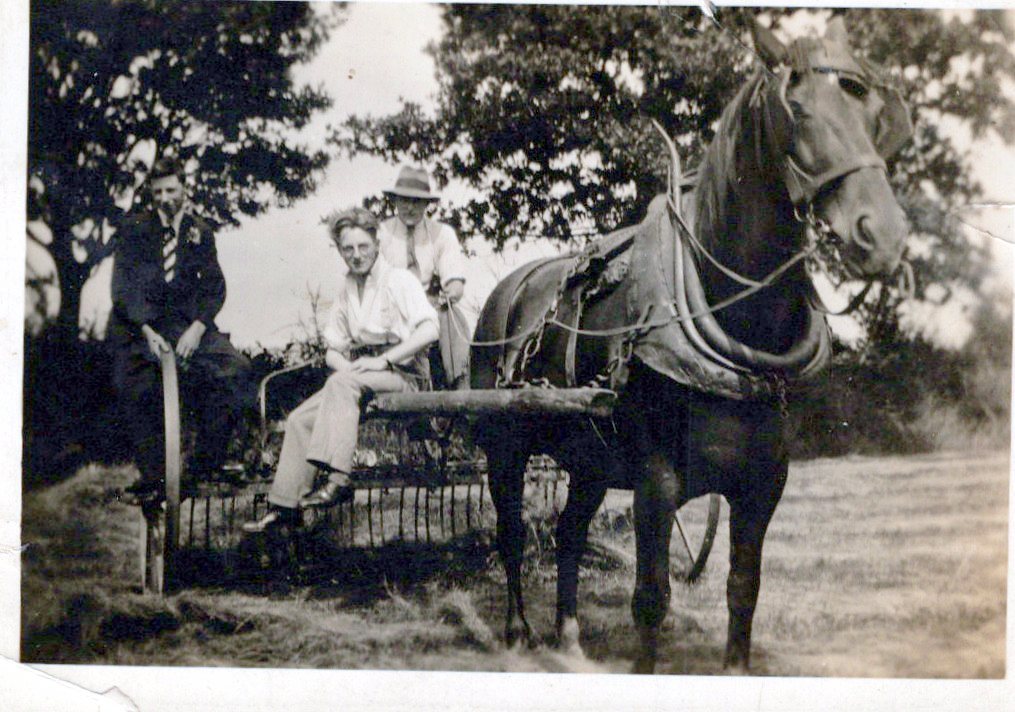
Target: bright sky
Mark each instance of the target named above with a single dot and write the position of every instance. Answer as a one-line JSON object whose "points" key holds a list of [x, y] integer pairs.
{"points": [[272, 264]]}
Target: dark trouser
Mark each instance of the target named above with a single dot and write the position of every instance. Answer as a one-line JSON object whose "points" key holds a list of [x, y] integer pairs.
{"points": [[216, 386]]}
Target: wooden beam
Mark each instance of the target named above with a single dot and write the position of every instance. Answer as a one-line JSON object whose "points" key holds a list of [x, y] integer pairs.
{"points": [[596, 402]]}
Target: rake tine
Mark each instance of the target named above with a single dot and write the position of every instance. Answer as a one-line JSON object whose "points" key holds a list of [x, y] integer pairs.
{"points": [[224, 519], [482, 491], [468, 506], [380, 510], [207, 523], [555, 480], [442, 510], [415, 516], [427, 515], [352, 521], [452, 508], [232, 513], [190, 526], [401, 505], [370, 512]]}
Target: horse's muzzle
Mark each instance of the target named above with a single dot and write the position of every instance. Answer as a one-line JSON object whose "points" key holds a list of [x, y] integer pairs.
{"points": [[875, 247], [863, 213]]}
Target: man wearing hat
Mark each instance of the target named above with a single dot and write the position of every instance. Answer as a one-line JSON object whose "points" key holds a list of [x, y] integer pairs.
{"points": [[431, 251]]}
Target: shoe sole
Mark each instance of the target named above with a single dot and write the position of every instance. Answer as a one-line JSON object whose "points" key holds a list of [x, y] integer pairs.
{"points": [[327, 505]]}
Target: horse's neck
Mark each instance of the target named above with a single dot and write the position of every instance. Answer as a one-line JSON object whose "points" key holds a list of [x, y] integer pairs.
{"points": [[755, 239]]}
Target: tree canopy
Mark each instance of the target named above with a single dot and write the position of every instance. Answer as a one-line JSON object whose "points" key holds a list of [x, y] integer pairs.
{"points": [[544, 111], [115, 82]]}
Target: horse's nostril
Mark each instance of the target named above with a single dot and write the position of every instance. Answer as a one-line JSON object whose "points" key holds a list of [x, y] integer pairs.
{"points": [[863, 237]]}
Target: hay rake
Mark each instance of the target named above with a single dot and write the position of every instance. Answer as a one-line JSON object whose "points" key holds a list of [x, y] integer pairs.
{"points": [[438, 480]]}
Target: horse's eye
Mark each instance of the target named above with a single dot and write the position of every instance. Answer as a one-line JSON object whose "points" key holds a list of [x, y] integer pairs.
{"points": [[853, 87], [797, 108]]}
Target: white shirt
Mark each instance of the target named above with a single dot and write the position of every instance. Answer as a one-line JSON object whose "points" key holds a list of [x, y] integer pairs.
{"points": [[435, 244], [392, 307]]}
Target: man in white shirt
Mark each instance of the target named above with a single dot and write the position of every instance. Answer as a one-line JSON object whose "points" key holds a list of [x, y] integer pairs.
{"points": [[431, 251], [379, 327]]}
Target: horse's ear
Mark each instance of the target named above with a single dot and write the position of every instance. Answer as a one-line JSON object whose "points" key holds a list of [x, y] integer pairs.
{"points": [[772, 51], [836, 31]]}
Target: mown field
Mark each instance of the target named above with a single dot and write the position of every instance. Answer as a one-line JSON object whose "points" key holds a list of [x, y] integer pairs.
{"points": [[874, 567]]}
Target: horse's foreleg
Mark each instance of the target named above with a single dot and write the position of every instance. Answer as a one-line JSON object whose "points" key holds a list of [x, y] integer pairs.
{"points": [[655, 501], [572, 532], [749, 518], [506, 465]]}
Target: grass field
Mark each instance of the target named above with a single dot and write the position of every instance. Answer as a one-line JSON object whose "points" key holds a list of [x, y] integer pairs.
{"points": [[874, 567]]}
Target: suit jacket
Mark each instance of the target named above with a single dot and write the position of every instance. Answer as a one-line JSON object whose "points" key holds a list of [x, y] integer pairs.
{"points": [[140, 293]]}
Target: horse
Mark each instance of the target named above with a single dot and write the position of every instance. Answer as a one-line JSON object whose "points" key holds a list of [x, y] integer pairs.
{"points": [[701, 327]]}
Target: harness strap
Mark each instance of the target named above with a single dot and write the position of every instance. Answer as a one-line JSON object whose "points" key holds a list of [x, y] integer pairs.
{"points": [[507, 357], [818, 304], [686, 318], [570, 348], [804, 187]]}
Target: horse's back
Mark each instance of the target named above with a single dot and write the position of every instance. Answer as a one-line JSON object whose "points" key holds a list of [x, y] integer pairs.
{"points": [[516, 305]]}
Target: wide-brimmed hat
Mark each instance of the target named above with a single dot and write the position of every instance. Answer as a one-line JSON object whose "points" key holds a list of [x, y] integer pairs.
{"points": [[412, 183]]}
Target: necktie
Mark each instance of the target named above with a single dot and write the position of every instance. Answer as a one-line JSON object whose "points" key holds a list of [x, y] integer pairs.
{"points": [[411, 263], [169, 242]]}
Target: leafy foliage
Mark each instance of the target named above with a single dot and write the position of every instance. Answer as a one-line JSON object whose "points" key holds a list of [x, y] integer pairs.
{"points": [[113, 82], [544, 111], [907, 395]]}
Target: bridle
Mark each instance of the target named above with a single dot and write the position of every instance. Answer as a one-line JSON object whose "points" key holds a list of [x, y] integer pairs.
{"points": [[894, 129]]}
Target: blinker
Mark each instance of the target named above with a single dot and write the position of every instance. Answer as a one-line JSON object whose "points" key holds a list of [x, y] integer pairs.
{"points": [[895, 127]]}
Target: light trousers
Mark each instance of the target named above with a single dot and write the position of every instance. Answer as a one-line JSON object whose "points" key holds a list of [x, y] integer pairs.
{"points": [[322, 431]]}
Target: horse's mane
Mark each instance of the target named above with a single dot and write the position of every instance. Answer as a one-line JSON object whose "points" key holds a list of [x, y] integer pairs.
{"points": [[719, 168]]}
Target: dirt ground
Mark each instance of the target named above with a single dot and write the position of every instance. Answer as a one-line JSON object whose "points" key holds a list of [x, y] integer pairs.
{"points": [[874, 567]]}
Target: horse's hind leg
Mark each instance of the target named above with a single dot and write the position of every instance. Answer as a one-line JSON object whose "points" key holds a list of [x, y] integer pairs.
{"points": [[506, 459], [749, 519], [583, 499], [655, 501]]}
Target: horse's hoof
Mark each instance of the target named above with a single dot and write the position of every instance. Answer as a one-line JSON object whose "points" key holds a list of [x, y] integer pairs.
{"points": [[733, 669], [521, 644], [644, 666], [736, 665], [568, 638], [519, 639]]}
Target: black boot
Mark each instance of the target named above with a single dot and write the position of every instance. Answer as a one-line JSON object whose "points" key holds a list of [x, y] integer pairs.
{"points": [[275, 517], [329, 494], [144, 491]]}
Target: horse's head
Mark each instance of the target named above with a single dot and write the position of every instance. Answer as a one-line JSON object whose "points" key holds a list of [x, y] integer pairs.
{"points": [[835, 122]]}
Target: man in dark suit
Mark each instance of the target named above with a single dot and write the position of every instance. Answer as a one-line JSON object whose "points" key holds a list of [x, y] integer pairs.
{"points": [[167, 289]]}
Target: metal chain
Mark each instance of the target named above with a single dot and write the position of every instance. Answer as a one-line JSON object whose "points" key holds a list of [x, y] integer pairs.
{"points": [[779, 390], [535, 338]]}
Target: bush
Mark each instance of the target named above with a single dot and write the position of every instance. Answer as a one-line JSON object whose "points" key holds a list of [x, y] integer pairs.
{"points": [[910, 396], [70, 416]]}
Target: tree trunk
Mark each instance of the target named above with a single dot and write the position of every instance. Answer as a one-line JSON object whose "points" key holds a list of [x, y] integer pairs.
{"points": [[72, 276]]}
